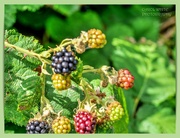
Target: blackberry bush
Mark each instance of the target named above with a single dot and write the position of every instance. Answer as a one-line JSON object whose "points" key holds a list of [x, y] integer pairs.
{"points": [[89, 105]]}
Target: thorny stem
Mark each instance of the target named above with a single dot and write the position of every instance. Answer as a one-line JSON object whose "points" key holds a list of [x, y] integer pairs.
{"points": [[27, 52], [89, 92], [40, 56], [87, 69], [63, 44]]}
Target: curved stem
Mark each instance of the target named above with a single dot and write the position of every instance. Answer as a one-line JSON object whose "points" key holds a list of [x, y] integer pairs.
{"points": [[59, 47], [27, 52], [136, 102], [24, 51]]}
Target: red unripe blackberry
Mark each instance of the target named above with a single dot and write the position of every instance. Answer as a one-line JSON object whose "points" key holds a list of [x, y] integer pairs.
{"points": [[61, 82], [61, 125], [125, 79], [84, 122], [37, 127], [96, 39]]}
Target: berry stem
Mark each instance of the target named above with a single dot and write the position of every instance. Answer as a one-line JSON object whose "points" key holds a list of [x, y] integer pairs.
{"points": [[63, 44], [87, 69], [27, 52], [136, 102], [90, 93]]}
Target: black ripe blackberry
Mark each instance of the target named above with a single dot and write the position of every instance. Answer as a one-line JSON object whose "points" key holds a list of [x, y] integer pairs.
{"points": [[63, 62], [37, 127]]}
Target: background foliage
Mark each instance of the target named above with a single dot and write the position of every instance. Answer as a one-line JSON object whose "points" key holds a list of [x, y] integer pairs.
{"points": [[145, 44]]}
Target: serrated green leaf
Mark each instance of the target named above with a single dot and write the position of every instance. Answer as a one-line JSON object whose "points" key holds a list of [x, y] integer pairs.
{"points": [[66, 10], [160, 122], [18, 60], [12, 115], [29, 92], [65, 100], [22, 91]]}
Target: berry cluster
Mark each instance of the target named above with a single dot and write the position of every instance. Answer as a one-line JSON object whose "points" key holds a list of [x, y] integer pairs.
{"points": [[96, 39], [64, 62], [37, 127], [125, 79], [61, 82], [84, 122], [115, 111], [61, 125]]}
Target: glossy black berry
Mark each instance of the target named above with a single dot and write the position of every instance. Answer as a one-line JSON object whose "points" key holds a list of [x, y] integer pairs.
{"points": [[64, 62], [37, 127]]}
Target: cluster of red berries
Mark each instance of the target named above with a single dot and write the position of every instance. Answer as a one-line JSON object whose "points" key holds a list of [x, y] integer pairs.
{"points": [[125, 79]]}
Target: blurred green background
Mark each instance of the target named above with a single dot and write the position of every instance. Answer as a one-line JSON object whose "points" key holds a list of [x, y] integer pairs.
{"points": [[139, 37]]}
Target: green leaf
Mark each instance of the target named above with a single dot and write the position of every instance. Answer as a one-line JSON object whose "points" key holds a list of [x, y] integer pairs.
{"points": [[56, 28], [66, 10], [29, 92], [10, 111], [118, 30], [154, 81], [98, 60], [162, 121], [59, 29], [83, 22], [10, 16], [22, 91], [65, 100], [141, 27]]}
